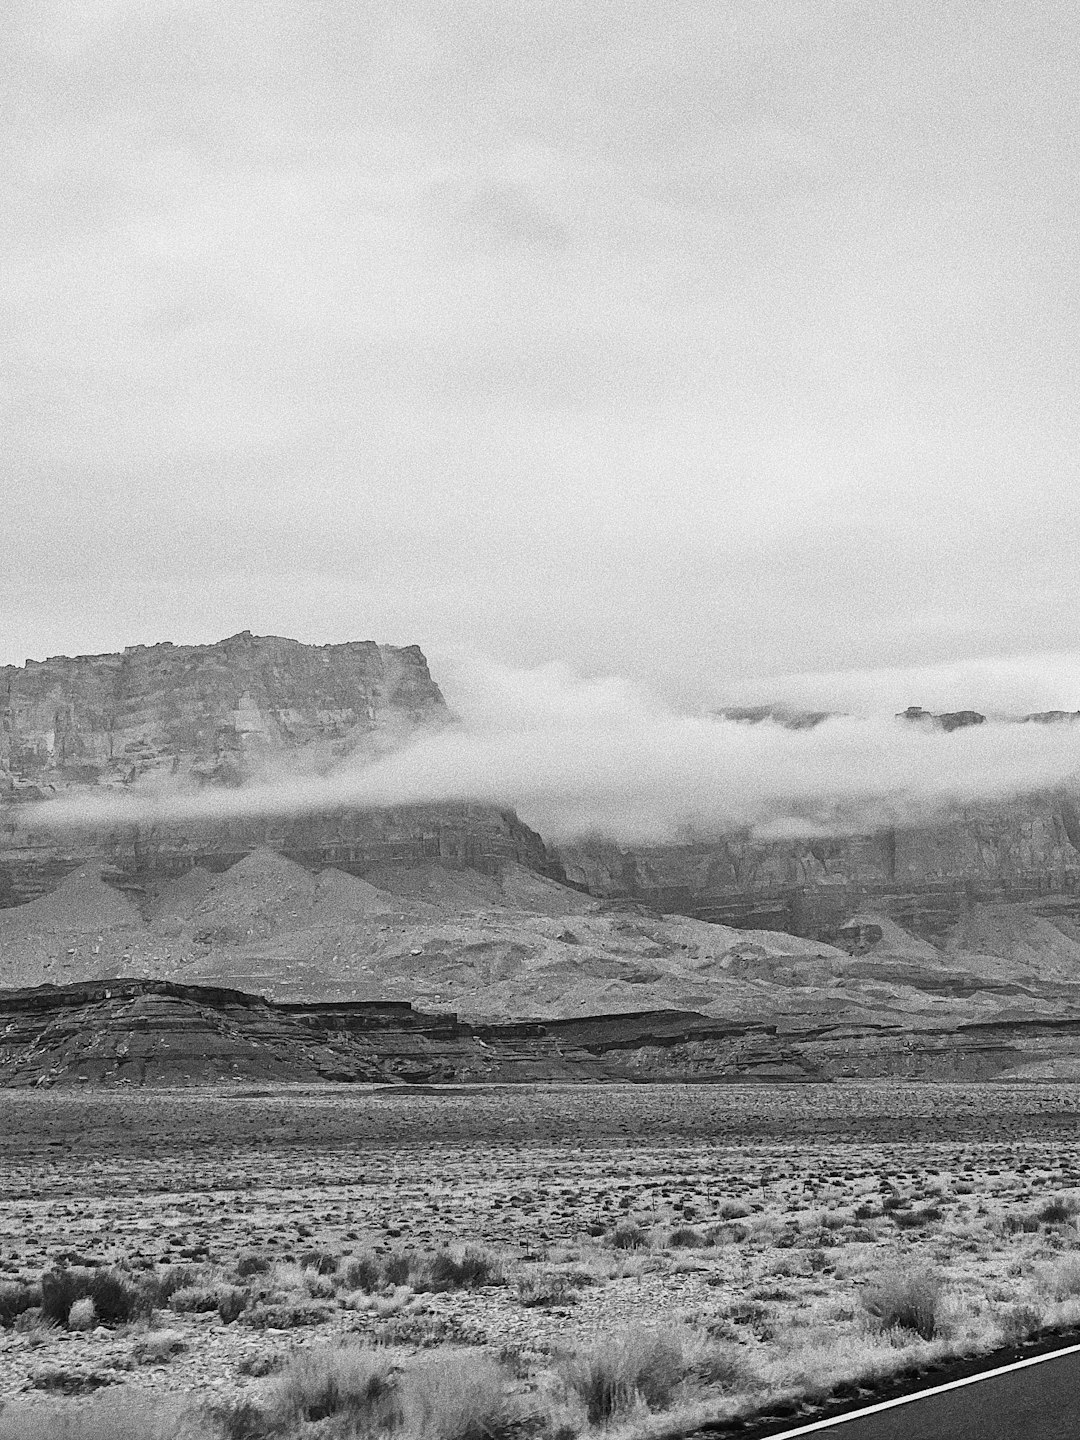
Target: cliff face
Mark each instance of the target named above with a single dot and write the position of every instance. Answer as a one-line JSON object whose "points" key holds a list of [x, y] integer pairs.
{"points": [[924, 876], [218, 714]]}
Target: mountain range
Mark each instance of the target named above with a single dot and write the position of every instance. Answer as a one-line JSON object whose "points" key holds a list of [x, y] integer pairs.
{"points": [[950, 949]]}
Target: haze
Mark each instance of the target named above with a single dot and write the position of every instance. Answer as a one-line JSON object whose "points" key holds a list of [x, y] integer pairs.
{"points": [[701, 343]]}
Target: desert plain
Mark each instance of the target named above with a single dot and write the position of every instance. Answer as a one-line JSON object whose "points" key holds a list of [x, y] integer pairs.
{"points": [[574, 1258]]}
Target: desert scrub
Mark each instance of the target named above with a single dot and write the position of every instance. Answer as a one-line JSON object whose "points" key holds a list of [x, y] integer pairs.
{"points": [[1019, 1323], [15, 1299], [116, 1298], [157, 1347], [1059, 1211], [459, 1396], [324, 1262], [336, 1380], [628, 1235], [470, 1270], [398, 1268], [905, 1300], [617, 1372], [231, 1302], [361, 1272], [132, 1415], [285, 1314], [546, 1287], [686, 1238], [194, 1299], [1060, 1281], [251, 1263]]}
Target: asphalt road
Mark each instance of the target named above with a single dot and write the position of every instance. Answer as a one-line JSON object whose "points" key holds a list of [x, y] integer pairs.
{"points": [[1038, 1401]]}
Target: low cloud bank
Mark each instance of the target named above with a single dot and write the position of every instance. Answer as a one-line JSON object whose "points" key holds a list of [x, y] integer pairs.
{"points": [[998, 686], [580, 757]]}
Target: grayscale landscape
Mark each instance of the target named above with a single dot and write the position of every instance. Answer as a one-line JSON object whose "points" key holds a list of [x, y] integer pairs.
{"points": [[539, 717]]}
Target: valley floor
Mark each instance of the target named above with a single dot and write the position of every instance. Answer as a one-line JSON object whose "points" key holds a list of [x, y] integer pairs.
{"points": [[770, 1229]]}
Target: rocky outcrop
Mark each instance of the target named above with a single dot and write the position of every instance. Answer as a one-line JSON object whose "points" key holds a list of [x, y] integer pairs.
{"points": [[153, 1032], [212, 716], [950, 720], [215, 713]]}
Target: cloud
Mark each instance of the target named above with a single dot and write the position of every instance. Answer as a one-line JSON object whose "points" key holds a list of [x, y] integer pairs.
{"points": [[603, 756], [691, 340], [999, 685]]}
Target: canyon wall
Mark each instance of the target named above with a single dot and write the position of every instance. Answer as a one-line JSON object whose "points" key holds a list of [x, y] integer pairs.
{"points": [[924, 876], [243, 709], [214, 714]]}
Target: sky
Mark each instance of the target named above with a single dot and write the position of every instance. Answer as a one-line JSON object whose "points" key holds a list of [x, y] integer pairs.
{"points": [[724, 346]]}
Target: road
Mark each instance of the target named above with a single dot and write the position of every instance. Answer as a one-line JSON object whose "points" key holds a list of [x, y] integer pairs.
{"points": [[1036, 1399]]}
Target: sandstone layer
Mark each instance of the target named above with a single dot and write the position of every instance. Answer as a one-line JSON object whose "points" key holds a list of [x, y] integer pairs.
{"points": [[190, 718], [138, 1032], [926, 877], [220, 714]]}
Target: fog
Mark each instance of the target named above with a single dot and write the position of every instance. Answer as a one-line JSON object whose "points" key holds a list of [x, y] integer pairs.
{"points": [[577, 757]]}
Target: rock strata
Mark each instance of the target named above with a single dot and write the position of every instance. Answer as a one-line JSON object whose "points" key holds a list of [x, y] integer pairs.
{"points": [[926, 877], [147, 1032], [214, 713], [201, 717]]}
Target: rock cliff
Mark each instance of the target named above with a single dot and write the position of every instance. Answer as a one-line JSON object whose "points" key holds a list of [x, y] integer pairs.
{"points": [[924, 876], [216, 716], [134, 1032]]}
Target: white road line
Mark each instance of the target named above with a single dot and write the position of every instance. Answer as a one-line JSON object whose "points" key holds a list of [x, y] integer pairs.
{"points": [[817, 1425]]}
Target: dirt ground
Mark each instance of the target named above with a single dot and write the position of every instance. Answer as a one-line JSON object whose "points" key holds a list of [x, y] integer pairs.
{"points": [[759, 1211]]}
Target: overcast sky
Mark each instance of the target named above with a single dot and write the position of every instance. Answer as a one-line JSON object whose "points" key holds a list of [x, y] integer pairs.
{"points": [[686, 341]]}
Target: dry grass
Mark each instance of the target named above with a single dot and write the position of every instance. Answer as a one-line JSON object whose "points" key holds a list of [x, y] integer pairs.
{"points": [[618, 1372], [906, 1300], [458, 1396], [769, 1268], [105, 1417], [327, 1381]]}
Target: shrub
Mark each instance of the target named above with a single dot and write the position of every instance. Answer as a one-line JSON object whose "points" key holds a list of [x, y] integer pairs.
{"points": [[285, 1315], [157, 1346], [1057, 1212], [546, 1287], [158, 1289], [398, 1267], [362, 1272], [15, 1299], [237, 1420], [1061, 1281], [905, 1300], [613, 1373], [458, 1397], [686, 1238], [1020, 1224], [915, 1219], [628, 1235], [251, 1264], [324, 1262], [475, 1268], [1019, 1323], [194, 1299], [131, 1415], [116, 1299], [330, 1380], [231, 1302], [82, 1315]]}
